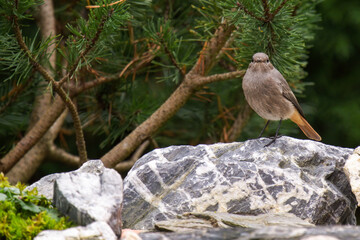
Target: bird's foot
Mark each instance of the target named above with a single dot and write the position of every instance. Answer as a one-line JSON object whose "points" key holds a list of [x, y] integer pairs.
{"points": [[273, 139]]}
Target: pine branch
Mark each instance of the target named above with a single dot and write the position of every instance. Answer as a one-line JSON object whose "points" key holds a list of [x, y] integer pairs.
{"points": [[6, 162], [242, 7], [177, 99], [171, 56], [80, 141], [14, 93], [141, 62], [60, 155], [278, 9], [266, 9], [87, 48], [220, 77]]}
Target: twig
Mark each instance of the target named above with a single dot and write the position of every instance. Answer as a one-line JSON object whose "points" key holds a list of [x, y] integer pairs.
{"points": [[105, 5], [220, 77], [171, 56], [278, 8], [266, 9], [242, 7], [12, 95], [268, 16], [77, 124], [87, 49]]}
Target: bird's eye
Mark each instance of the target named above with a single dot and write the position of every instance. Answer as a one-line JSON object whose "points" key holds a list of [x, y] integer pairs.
{"points": [[267, 61]]}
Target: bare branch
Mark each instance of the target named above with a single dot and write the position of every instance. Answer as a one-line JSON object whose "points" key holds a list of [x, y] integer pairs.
{"points": [[138, 63], [220, 77]]}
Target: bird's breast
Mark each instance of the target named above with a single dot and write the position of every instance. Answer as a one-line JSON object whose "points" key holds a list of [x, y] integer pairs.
{"points": [[265, 97]]}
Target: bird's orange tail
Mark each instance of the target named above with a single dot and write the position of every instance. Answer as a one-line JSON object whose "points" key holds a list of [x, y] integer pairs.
{"points": [[305, 126]]}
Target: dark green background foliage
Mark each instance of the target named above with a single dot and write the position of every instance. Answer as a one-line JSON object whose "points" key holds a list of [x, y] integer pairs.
{"points": [[334, 67], [315, 46]]}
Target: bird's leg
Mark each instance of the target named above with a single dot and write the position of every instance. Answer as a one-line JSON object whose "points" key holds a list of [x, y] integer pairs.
{"points": [[276, 135], [262, 131]]}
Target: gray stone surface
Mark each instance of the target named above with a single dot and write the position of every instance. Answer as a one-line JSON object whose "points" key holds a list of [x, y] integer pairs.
{"points": [[45, 185], [93, 231], [295, 176], [92, 193], [352, 171], [191, 221], [265, 233]]}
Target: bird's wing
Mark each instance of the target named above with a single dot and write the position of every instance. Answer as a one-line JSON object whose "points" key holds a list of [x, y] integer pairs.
{"points": [[286, 91]]}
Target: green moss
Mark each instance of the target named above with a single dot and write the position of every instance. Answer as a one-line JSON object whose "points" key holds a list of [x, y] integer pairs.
{"points": [[23, 214]]}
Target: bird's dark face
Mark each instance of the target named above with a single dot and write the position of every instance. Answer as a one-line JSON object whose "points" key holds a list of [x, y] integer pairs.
{"points": [[260, 62]]}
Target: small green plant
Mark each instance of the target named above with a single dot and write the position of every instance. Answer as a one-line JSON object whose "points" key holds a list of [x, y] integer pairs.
{"points": [[23, 214]]}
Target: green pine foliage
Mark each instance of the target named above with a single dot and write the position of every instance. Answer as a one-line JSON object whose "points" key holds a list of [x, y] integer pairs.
{"points": [[175, 33], [24, 214]]}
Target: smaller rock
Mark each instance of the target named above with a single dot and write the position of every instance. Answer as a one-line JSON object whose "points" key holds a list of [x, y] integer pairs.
{"points": [[93, 193], [93, 231], [45, 185], [352, 171]]}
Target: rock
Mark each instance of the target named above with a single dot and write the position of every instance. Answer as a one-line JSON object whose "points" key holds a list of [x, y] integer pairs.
{"points": [[191, 221], [270, 232], [295, 176], [89, 195], [352, 171], [45, 185], [93, 231]]}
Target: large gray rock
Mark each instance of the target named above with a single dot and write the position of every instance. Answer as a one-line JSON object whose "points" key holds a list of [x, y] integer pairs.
{"points": [[93, 231], [301, 177], [87, 196]]}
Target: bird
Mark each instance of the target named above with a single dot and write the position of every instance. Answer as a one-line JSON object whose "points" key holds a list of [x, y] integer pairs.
{"points": [[270, 96]]}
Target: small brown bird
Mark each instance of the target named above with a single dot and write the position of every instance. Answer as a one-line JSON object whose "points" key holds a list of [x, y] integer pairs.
{"points": [[270, 96]]}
